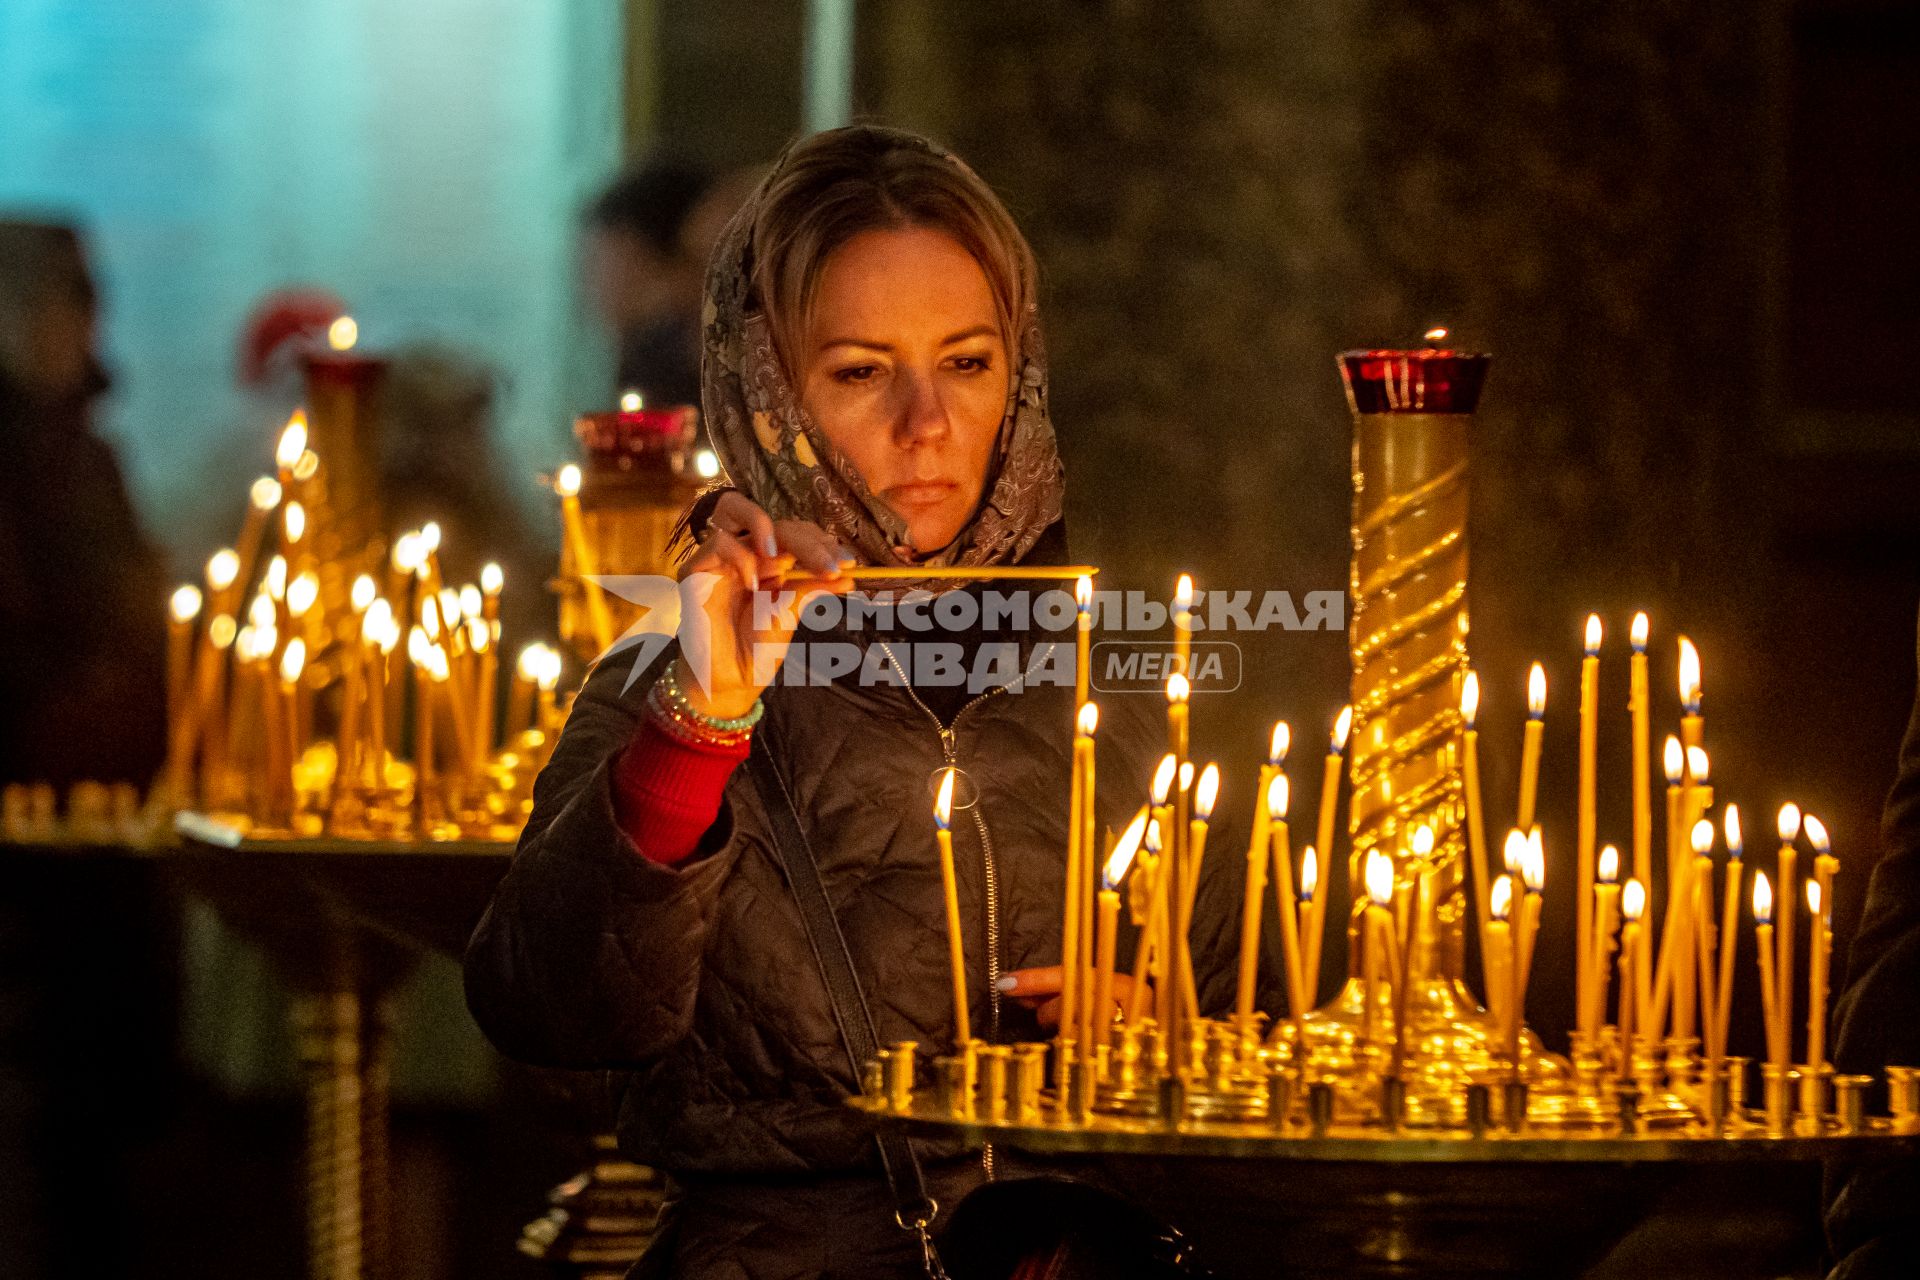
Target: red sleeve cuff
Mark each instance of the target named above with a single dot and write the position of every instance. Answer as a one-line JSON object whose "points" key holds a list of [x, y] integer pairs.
{"points": [[666, 790]]}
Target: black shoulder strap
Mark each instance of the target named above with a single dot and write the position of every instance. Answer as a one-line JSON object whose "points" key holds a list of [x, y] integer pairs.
{"points": [[912, 1207]]}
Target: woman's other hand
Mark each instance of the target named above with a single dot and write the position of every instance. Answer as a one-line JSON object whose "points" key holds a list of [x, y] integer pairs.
{"points": [[1039, 990], [749, 616]]}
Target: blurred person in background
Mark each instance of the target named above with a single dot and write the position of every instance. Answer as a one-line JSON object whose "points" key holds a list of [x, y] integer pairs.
{"points": [[86, 996], [643, 280]]}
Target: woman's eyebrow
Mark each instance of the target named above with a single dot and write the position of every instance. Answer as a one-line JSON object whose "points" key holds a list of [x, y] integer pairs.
{"points": [[977, 331]]}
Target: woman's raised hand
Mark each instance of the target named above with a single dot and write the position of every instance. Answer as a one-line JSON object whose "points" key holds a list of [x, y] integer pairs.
{"points": [[746, 618], [1039, 990]]}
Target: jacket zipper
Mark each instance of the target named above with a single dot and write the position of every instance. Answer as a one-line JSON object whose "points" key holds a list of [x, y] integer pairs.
{"points": [[950, 752]]}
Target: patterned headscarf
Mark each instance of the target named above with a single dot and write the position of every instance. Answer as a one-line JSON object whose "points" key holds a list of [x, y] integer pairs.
{"points": [[772, 449]]}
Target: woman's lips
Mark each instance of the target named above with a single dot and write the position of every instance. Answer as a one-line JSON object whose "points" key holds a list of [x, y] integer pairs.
{"points": [[920, 494]]}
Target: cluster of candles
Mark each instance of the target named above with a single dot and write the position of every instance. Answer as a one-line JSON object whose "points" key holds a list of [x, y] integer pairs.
{"points": [[1674, 976], [262, 654]]}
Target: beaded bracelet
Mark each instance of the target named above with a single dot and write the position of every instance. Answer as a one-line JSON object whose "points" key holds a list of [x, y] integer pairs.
{"points": [[683, 728], [670, 703]]}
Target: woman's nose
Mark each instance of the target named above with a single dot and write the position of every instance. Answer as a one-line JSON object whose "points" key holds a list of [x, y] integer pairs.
{"points": [[923, 416]]}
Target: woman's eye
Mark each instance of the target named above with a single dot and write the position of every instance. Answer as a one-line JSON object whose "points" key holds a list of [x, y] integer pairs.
{"points": [[858, 373], [972, 364]]}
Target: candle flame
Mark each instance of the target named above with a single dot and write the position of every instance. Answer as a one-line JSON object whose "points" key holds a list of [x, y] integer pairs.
{"points": [[1379, 877], [375, 622], [1609, 869], [293, 660], [1788, 824], [1593, 634], [308, 463], [302, 594], [430, 616], [1088, 720], [429, 538], [363, 592], [222, 568], [221, 630], [437, 667], [1699, 768], [530, 662], [185, 604], [1730, 827], [943, 803], [1279, 795], [417, 646], [260, 612], [1689, 676], [407, 553], [479, 635], [1762, 899], [1533, 869], [1279, 744], [1514, 853], [1702, 837], [293, 440], [1309, 873], [343, 333], [265, 494], [566, 481], [1813, 899], [1163, 779], [631, 402], [1178, 690], [1422, 841], [470, 601], [1470, 698], [550, 673], [1638, 634], [276, 581], [492, 578], [1536, 691], [1186, 775], [1342, 726], [1500, 900], [1816, 835], [1633, 901], [1152, 843], [1207, 792], [1673, 760], [706, 464], [1183, 593], [1123, 851], [295, 517], [1082, 593], [1436, 335]]}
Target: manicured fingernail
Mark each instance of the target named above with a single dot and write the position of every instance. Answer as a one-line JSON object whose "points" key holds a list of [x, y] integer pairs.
{"points": [[768, 547], [1008, 984]]}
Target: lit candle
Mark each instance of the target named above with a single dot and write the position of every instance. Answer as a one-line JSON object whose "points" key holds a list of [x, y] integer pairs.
{"points": [[1633, 903], [1070, 972], [566, 483], [547, 714], [182, 609], [1107, 925], [1638, 701], [1147, 961], [1586, 829], [1499, 957], [1254, 888], [1692, 726], [1277, 797], [1533, 877], [292, 443], [1159, 830], [1769, 992], [1422, 844], [1606, 903], [1789, 829], [1530, 744], [1083, 635], [526, 671], [1729, 920], [1089, 854], [1825, 865], [1672, 936], [1699, 794], [1378, 935], [956, 950], [262, 497], [378, 635], [1476, 820], [293, 661], [1329, 808], [492, 581], [1183, 629], [1701, 912], [1818, 949], [419, 651]]}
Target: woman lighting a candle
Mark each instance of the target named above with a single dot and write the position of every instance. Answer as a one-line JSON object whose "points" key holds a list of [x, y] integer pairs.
{"points": [[875, 385]]}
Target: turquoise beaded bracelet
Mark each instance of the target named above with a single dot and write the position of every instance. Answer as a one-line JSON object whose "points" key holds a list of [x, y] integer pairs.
{"points": [[675, 697]]}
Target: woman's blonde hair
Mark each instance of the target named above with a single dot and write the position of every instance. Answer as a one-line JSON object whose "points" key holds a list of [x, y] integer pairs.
{"points": [[837, 184]]}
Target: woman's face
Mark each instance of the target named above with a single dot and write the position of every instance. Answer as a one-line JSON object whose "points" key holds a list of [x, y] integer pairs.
{"points": [[905, 372]]}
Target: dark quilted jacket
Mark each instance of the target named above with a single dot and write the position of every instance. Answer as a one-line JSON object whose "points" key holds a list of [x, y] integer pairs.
{"points": [[696, 982]]}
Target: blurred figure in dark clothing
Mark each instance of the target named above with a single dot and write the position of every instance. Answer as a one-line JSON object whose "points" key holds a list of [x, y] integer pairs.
{"points": [[86, 996], [645, 280], [82, 596], [1873, 1210]]}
